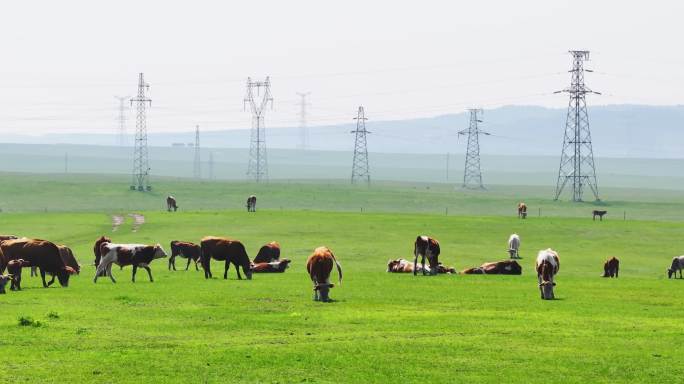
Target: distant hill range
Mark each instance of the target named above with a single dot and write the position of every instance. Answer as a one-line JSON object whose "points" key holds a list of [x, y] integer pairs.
{"points": [[637, 131]]}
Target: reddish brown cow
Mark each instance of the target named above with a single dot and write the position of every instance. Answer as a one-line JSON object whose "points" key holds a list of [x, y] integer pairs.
{"points": [[611, 267], [505, 267], [41, 253], [274, 266], [426, 247], [3, 260], [522, 211], [186, 250], [14, 268], [232, 251], [67, 256], [319, 265], [268, 253]]}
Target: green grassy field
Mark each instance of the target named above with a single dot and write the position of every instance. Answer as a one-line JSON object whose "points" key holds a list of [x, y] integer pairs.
{"points": [[382, 327]]}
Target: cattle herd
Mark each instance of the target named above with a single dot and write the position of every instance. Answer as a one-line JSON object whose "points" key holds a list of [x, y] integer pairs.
{"points": [[58, 261]]}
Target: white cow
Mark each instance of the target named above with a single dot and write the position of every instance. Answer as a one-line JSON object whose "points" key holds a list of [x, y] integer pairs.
{"points": [[514, 246], [547, 266], [677, 265], [137, 255]]}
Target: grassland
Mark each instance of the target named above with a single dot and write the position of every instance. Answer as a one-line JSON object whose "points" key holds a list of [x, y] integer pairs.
{"points": [[382, 327]]}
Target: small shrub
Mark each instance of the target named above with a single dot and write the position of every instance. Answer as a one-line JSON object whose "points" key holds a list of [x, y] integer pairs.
{"points": [[53, 315], [26, 321]]}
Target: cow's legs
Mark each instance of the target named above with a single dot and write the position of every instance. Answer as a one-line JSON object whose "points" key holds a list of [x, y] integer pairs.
{"points": [[415, 264], [135, 270], [225, 272], [52, 281], [42, 276], [149, 273], [171, 261], [422, 263], [109, 272], [188, 266], [196, 267], [237, 268]]}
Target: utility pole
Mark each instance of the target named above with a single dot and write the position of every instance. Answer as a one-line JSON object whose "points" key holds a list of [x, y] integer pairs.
{"points": [[303, 129], [197, 169], [211, 165], [121, 133], [141, 163], [472, 174], [257, 167], [577, 156], [360, 170]]}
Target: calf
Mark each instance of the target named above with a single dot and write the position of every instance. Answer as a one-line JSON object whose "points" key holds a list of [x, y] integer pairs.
{"points": [[677, 265], [41, 253], [505, 267], [319, 265], [547, 266], [599, 214], [268, 253], [232, 251], [186, 250], [137, 255], [274, 266], [611, 267], [514, 246], [426, 247], [14, 268]]}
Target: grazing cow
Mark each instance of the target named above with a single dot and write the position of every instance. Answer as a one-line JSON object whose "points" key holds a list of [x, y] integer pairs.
{"points": [[522, 211], [14, 268], [599, 214], [319, 265], [3, 282], [232, 251], [514, 246], [611, 267], [547, 266], [171, 204], [251, 204], [41, 253], [406, 266], [505, 267], [268, 253], [426, 247], [67, 256], [677, 265], [278, 266], [137, 255], [186, 250]]}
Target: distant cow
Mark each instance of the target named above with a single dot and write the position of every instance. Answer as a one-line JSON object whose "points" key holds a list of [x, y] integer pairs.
{"points": [[611, 267], [4, 279], [277, 266], [41, 253], [171, 204], [522, 211], [426, 247], [514, 246], [232, 251], [268, 253], [677, 265], [14, 268], [186, 250], [547, 266], [319, 265], [251, 204], [505, 267], [599, 214], [406, 266], [137, 255]]}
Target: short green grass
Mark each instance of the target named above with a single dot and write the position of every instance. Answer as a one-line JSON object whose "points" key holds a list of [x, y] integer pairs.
{"points": [[382, 328]]}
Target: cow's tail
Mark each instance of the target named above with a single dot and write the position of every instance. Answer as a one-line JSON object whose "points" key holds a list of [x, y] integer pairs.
{"points": [[339, 268]]}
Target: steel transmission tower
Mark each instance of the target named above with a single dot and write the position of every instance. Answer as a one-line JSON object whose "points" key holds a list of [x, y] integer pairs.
{"points": [[121, 134], [258, 166], [303, 129], [472, 174], [197, 168], [577, 158], [360, 170], [141, 164]]}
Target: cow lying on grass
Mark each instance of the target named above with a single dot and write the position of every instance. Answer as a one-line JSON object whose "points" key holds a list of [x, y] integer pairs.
{"points": [[185, 250], [137, 255], [677, 265], [611, 267], [505, 267], [268, 253], [406, 266], [547, 266], [272, 267], [319, 265]]}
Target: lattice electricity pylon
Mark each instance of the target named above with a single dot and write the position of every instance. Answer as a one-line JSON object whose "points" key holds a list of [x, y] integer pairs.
{"points": [[121, 133], [577, 157], [303, 129], [197, 165], [141, 163], [472, 173], [258, 166], [360, 169]]}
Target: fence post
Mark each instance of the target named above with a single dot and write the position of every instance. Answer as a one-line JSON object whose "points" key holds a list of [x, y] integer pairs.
{"points": [[624, 215], [539, 211], [446, 211]]}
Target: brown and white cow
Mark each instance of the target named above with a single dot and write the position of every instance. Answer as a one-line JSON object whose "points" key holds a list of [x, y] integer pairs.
{"points": [[137, 255], [611, 267], [228, 250], [14, 268], [251, 203], [547, 265], [677, 265], [171, 204], [41, 253], [268, 253], [426, 247], [504, 267], [406, 266], [522, 211], [319, 265], [278, 266], [185, 250]]}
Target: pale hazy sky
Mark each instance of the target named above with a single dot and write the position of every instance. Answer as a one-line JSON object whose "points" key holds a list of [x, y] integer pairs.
{"points": [[63, 61]]}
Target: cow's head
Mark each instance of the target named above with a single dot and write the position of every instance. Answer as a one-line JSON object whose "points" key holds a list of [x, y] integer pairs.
{"points": [[323, 291], [159, 252], [670, 271], [64, 274], [4, 279], [546, 288]]}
